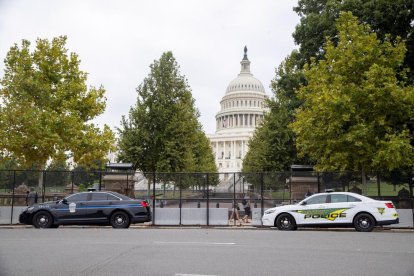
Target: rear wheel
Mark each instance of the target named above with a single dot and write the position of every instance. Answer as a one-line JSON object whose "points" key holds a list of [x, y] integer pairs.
{"points": [[42, 220], [120, 220], [364, 222], [286, 222]]}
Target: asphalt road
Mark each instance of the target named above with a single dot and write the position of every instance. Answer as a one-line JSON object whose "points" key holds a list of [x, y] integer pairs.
{"points": [[105, 251]]}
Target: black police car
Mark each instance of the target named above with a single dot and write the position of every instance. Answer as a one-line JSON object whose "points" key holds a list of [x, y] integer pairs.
{"points": [[93, 208]]}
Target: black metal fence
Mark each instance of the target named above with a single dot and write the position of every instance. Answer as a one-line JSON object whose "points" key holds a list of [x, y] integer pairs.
{"points": [[199, 190]]}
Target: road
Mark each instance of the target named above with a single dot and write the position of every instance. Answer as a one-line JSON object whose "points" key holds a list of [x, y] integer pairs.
{"points": [[195, 251]]}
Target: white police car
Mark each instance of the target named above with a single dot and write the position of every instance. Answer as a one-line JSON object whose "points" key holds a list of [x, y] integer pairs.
{"points": [[337, 209]]}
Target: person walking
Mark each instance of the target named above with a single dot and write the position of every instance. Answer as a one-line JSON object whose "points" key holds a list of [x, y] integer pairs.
{"points": [[31, 197], [246, 207], [235, 214]]}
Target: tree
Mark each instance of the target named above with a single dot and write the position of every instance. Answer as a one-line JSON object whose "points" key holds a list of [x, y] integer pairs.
{"points": [[45, 107], [357, 112], [162, 132], [272, 147], [394, 18]]}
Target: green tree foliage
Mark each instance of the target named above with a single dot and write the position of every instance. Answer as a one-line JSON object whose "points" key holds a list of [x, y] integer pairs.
{"points": [[384, 16], [45, 107], [57, 174], [357, 112], [162, 132], [272, 147]]}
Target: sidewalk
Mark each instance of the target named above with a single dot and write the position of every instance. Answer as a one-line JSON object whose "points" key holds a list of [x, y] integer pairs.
{"points": [[229, 227]]}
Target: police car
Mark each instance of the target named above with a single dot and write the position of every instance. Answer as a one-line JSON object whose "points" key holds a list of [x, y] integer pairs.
{"points": [[341, 209], [94, 208]]}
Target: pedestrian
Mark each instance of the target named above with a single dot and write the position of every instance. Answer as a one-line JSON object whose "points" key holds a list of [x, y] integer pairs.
{"points": [[27, 198], [246, 207], [235, 213], [31, 197]]}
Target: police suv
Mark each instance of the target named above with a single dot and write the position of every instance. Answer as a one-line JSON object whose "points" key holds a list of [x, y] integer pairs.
{"points": [[334, 209], [94, 208]]}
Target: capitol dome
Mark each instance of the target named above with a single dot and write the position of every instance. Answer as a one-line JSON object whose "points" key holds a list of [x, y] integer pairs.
{"points": [[245, 80], [242, 109], [243, 104]]}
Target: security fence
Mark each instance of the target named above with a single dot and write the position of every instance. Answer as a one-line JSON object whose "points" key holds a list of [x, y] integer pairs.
{"points": [[201, 198]]}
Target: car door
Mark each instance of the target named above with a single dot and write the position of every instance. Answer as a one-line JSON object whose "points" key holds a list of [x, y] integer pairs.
{"points": [[311, 210], [338, 208], [99, 206], [350, 204], [72, 209]]}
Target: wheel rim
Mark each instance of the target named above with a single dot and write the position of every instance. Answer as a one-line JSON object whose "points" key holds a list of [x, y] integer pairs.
{"points": [[119, 220], [43, 220], [364, 222], [285, 222]]}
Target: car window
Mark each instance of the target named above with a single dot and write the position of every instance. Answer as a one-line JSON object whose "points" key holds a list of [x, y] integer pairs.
{"points": [[111, 197], [77, 197], [123, 197], [99, 196], [316, 199], [339, 198], [353, 199]]}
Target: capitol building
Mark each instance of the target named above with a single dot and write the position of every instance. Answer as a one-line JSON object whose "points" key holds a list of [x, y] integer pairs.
{"points": [[242, 110]]}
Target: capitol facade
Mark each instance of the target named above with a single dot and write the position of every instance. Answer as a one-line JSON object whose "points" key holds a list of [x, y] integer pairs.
{"points": [[242, 110]]}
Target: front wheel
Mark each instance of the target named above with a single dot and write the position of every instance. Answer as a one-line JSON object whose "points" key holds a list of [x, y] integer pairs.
{"points": [[286, 222], [42, 220], [364, 223], [120, 220]]}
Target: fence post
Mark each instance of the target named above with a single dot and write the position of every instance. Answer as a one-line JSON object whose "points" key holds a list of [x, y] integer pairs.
{"points": [[262, 192], [319, 183], [153, 198], [43, 186], [100, 180], [14, 185], [379, 184], [72, 176], [208, 201], [234, 199], [179, 181]]}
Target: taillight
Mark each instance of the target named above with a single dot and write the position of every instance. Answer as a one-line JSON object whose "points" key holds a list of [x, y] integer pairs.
{"points": [[144, 204], [389, 205]]}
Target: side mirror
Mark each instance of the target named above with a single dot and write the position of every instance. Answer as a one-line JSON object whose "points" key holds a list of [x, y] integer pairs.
{"points": [[304, 203], [64, 201]]}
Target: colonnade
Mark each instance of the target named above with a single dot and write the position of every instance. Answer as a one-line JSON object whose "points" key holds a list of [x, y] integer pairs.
{"points": [[238, 120]]}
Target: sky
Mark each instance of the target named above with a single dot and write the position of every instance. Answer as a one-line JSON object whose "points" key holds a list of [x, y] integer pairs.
{"points": [[118, 40]]}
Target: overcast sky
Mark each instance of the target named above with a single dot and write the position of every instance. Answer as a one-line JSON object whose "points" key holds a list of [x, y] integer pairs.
{"points": [[118, 40]]}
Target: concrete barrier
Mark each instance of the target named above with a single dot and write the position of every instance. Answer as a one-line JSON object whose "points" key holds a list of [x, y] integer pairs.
{"points": [[5, 214], [191, 216]]}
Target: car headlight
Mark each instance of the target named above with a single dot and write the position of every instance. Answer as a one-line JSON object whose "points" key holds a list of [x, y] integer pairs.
{"points": [[30, 208], [267, 212]]}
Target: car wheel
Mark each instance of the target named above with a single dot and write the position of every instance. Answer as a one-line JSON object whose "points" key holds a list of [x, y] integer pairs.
{"points": [[42, 220], [364, 222], [285, 222], [120, 220]]}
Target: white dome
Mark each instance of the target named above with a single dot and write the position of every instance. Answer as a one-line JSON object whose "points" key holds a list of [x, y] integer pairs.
{"points": [[245, 82]]}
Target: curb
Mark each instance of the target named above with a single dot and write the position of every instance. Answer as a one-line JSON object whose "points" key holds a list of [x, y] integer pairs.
{"points": [[229, 227]]}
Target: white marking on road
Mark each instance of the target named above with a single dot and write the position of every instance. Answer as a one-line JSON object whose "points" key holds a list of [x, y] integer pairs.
{"points": [[202, 243], [178, 274]]}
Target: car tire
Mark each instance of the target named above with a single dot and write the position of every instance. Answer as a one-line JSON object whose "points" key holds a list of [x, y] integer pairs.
{"points": [[364, 222], [286, 222], [42, 219], [120, 220], [55, 226]]}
